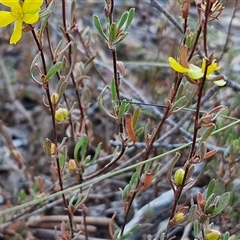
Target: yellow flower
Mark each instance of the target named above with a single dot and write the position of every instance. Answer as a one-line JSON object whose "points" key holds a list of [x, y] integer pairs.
{"points": [[194, 72], [25, 11]]}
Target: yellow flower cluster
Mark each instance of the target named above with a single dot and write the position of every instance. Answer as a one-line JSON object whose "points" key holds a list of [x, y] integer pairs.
{"points": [[25, 11], [195, 73]]}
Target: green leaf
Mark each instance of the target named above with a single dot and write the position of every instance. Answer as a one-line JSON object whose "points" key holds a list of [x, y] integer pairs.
{"points": [[226, 236], [97, 151], [180, 102], [134, 178], [190, 172], [131, 231], [87, 160], [120, 37], [216, 200], [211, 188], [61, 87], [209, 201], [202, 151], [61, 161], [223, 202], [123, 108], [139, 131], [208, 133], [131, 14], [100, 103], [116, 233], [98, 26], [113, 90], [126, 191], [122, 20], [65, 155], [22, 195], [55, 68], [172, 163], [192, 214], [73, 6], [45, 17], [195, 228], [115, 152], [32, 67], [180, 91], [136, 115], [81, 144], [112, 32], [72, 199]]}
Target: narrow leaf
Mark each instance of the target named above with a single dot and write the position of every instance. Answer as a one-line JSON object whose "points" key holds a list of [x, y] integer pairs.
{"points": [[180, 102], [226, 236], [139, 131], [97, 151], [32, 67], [131, 14], [136, 115], [80, 145], [130, 232], [211, 188], [123, 108], [113, 32], [98, 26], [122, 20], [134, 178], [126, 191], [55, 68], [223, 202], [113, 90], [208, 132], [120, 37], [209, 201], [61, 87]]}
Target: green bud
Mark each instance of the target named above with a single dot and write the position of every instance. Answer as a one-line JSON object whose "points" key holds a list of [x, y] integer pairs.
{"points": [[61, 114], [213, 235], [178, 176]]}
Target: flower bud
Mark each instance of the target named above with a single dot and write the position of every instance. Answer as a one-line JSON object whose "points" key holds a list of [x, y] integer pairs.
{"points": [[72, 165], [213, 234], [178, 176], [61, 114], [53, 148], [54, 98], [178, 217]]}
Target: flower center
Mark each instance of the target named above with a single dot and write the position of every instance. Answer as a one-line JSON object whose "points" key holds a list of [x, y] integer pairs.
{"points": [[17, 12]]}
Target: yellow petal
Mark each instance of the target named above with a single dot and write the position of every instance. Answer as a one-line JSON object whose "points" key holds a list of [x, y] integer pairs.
{"points": [[10, 3], [17, 32], [31, 6], [6, 18], [213, 67], [30, 18], [176, 66], [220, 83], [203, 65], [194, 72]]}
